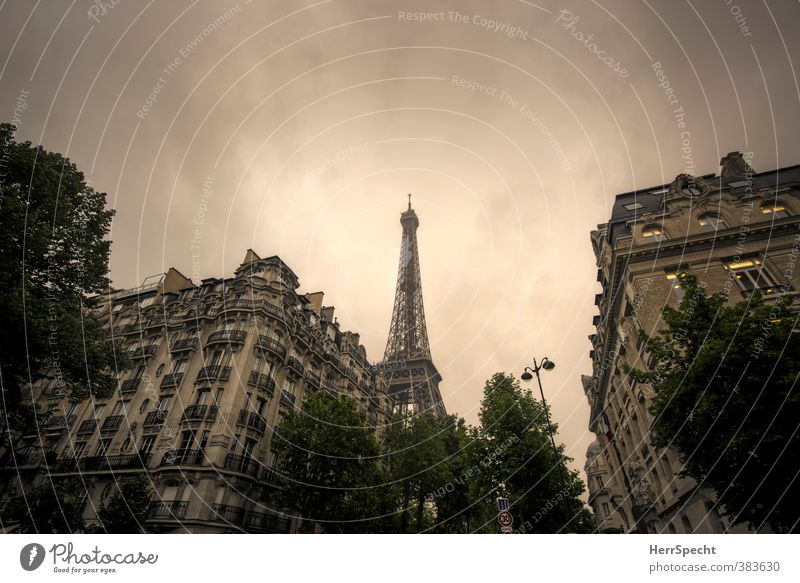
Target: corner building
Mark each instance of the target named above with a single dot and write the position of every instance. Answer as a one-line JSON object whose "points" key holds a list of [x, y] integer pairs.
{"points": [[215, 367], [738, 232]]}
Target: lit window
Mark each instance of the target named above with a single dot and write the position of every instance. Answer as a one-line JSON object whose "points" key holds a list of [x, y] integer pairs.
{"points": [[711, 222], [676, 277], [655, 232], [751, 275], [775, 208]]}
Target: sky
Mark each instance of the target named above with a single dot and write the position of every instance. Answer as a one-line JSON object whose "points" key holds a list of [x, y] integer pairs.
{"points": [[298, 128]]}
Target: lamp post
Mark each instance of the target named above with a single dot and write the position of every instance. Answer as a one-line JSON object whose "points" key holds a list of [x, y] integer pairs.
{"points": [[526, 376]]}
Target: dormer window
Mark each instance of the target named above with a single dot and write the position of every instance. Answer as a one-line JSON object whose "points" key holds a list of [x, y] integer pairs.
{"points": [[711, 222], [655, 232], [775, 209]]}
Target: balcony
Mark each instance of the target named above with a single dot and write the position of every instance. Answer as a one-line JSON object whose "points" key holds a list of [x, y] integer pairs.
{"points": [[252, 420], [155, 418], [267, 521], [100, 463], [185, 344], [242, 304], [242, 463], [262, 381], [129, 387], [312, 379], [172, 380], [59, 422], [172, 509], [112, 423], [272, 345], [270, 476], [214, 373], [274, 311], [295, 366], [143, 352], [223, 513], [87, 427], [287, 399], [594, 494], [183, 457], [195, 413], [227, 337]]}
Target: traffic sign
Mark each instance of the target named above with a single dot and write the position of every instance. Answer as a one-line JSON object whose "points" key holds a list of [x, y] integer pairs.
{"points": [[505, 518], [502, 504], [506, 529]]}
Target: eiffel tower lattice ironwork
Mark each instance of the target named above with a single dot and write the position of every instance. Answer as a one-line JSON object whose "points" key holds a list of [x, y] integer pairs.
{"points": [[413, 378]]}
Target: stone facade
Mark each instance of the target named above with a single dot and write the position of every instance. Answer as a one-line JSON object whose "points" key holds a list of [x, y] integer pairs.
{"points": [[737, 232], [215, 367]]}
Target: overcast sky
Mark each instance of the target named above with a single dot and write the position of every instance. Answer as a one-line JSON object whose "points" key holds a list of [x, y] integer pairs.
{"points": [[513, 123]]}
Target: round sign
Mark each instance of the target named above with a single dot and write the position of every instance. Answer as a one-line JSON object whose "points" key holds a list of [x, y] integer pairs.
{"points": [[505, 518]]}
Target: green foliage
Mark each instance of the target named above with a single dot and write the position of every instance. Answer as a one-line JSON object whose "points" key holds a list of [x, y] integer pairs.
{"points": [[333, 461], [54, 507], [55, 256], [726, 397], [126, 510]]}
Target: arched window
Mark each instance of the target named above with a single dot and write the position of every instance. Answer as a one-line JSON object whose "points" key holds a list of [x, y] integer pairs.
{"points": [[774, 208], [655, 232], [711, 222]]}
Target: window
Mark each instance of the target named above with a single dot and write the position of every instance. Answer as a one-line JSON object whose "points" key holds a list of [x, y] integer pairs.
{"points": [[148, 441], [117, 307], [676, 275], [751, 275], [654, 232], [179, 366], [775, 209], [633, 206], [159, 370], [202, 396], [145, 404], [102, 447], [126, 445], [119, 408], [78, 448], [711, 222], [106, 491], [98, 410], [606, 510], [598, 481], [164, 402], [146, 302]]}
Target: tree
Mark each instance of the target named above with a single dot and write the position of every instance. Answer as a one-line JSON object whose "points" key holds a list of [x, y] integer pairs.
{"points": [[126, 510], [420, 448], [726, 397], [518, 462], [332, 461], [55, 256], [53, 507]]}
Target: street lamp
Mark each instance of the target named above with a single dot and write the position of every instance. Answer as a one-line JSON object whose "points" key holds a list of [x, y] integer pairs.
{"points": [[526, 376]]}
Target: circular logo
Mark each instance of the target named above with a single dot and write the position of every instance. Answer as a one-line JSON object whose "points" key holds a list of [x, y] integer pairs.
{"points": [[31, 556], [505, 518]]}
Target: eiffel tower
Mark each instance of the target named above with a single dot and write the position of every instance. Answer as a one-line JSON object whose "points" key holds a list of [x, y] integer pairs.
{"points": [[413, 378]]}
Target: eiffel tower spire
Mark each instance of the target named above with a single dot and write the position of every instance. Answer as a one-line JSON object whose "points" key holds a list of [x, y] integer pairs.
{"points": [[413, 379]]}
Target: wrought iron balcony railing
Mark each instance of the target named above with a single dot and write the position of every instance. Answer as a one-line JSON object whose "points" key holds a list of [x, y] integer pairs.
{"points": [[272, 345], [143, 351], [172, 380], [295, 365], [252, 420], [267, 521], [224, 513], [173, 509], [183, 457], [87, 427], [185, 344], [155, 418], [112, 423], [242, 463], [287, 398], [227, 336], [262, 381], [129, 387], [214, 373]]}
